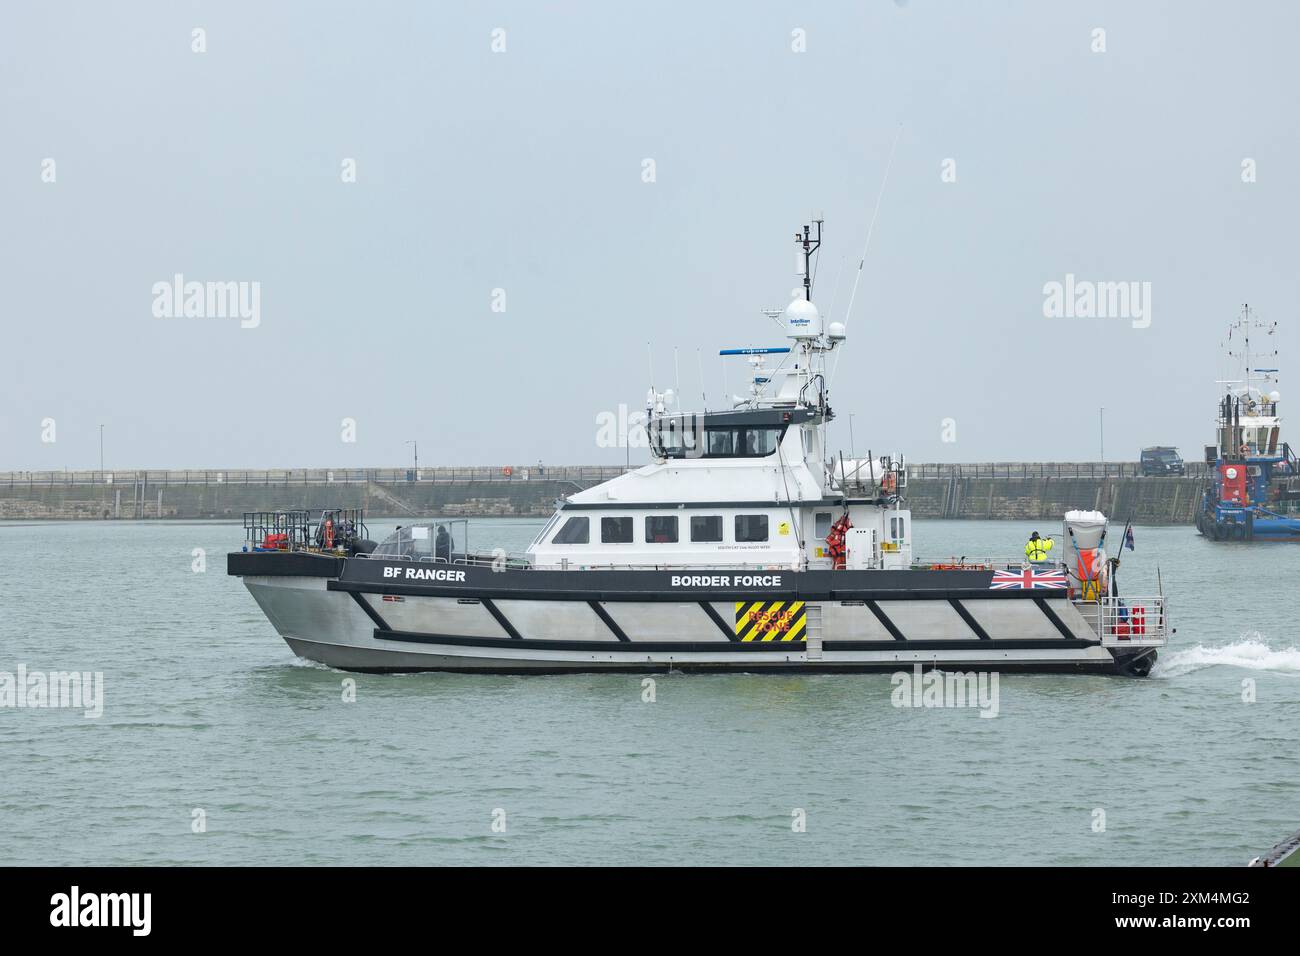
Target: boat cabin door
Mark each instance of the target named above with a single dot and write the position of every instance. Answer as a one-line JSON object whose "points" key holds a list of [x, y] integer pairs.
{"points": [[897, 546], [863, 549]]}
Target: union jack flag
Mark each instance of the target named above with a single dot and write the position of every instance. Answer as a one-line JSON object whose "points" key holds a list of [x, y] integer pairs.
{"points": [[1028, 578]]}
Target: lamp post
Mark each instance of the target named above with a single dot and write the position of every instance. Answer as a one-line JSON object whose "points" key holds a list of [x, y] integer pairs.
{"points": [[101, 453], [416, 446]]}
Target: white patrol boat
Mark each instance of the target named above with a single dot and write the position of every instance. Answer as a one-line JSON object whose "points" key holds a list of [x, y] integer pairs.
{"points": [[743, 545]]}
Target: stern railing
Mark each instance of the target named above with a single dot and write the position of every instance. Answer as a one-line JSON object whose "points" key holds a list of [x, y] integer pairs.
{"points": [[1128, 621]]}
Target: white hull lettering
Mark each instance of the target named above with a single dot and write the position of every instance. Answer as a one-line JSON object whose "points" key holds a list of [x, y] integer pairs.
{"points": [[726, 581], [425, 574]]}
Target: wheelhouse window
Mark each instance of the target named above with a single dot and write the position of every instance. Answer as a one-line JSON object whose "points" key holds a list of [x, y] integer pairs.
{"points": [[690, 436], [822, 524], [674, 437], [760, 442], [574, 531], [720, 442], [616, 530], [754, 442], [661, 529], [751, 528], [896, 528], [706, 527], [546, 530]]}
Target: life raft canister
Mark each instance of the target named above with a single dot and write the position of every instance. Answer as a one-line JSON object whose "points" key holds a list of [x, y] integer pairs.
{"points": [[329, 533]]}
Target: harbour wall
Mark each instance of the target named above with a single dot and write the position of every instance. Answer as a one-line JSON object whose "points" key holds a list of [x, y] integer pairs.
{"points": [[1147, 501], [1027, 491]]}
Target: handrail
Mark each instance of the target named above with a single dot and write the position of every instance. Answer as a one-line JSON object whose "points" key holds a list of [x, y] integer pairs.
{"points": [[1128, 621], [513, 474], [442, 474], [1043, 469]]}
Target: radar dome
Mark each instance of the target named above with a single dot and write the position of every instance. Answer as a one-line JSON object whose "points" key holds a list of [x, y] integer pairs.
{"points": [[1273, 396], [835, 332], [802, 320]]}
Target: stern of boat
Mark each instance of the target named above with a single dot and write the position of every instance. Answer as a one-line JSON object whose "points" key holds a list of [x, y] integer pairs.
{"points": [[1132, 629]]}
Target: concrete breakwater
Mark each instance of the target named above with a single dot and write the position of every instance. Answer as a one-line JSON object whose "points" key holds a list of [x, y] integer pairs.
{"points": [[384, 492], [1147, 501], [1013, 491]]}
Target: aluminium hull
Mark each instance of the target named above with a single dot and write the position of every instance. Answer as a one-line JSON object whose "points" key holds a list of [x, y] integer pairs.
{"points": [[559, 622]]}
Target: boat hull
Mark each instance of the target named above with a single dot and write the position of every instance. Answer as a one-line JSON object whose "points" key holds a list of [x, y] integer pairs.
{"points": [[352, 616], [1247, 525]]}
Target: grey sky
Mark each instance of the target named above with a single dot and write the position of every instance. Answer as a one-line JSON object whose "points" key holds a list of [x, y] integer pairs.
{"points": [[522, 170]]}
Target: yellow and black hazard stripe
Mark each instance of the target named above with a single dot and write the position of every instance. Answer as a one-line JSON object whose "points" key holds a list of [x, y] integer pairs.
{"points": [[770, 620]]}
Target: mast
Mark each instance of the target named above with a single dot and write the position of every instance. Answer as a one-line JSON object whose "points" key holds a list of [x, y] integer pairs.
{"points": [[808, 246], [1245, 318]]}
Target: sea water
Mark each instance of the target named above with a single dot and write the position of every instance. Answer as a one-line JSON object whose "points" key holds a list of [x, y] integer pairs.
{"points": [[215, 744]]}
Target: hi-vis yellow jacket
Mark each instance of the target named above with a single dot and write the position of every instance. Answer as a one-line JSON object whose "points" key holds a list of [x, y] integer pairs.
{"points": [[1037, 550]]}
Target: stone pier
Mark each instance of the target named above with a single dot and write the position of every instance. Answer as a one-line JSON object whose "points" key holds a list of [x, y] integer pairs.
{"points": [[1003, 490]]}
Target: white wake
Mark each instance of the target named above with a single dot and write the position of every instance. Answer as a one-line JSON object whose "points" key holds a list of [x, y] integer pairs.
{"points": [[1249, 653]]}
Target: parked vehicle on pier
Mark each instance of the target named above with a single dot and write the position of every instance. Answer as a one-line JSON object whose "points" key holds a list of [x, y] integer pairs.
{"points": [[1161, 460]]}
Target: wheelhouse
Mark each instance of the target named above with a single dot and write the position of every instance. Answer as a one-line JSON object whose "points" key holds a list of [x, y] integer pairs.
{"points": [[752, 433]]}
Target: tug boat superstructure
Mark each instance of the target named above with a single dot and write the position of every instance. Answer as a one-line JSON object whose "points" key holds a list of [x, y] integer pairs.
{"points": [[1253, 490], [743, 545]]}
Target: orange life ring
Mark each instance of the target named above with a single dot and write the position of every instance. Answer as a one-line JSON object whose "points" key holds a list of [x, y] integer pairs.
{"points": [[507, 471], [329, 533]]}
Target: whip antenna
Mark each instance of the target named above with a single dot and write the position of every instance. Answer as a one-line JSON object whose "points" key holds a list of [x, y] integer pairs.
{"points": [[871, 227]]}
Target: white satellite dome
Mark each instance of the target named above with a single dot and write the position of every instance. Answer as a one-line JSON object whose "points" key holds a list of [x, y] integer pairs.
{"points": [[835, 332], [1274, 395], [802, 320]]}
